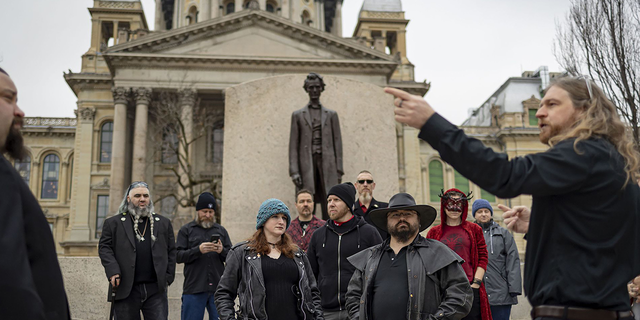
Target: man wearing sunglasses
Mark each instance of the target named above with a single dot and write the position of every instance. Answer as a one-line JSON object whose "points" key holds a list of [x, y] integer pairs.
{"points": [[138, 252], [365, 186]]}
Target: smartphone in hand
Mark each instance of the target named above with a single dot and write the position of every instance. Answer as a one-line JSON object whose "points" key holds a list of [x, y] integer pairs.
{"points": [[215, 237]]}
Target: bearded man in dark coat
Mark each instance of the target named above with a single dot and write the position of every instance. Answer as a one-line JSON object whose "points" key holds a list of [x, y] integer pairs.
{"points": [[315, 145]]}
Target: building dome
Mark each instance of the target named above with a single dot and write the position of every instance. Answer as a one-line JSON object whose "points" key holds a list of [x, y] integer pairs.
{"points": [[382, 5]]}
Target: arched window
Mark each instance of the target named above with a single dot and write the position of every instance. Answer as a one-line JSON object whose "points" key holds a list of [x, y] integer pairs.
{"points": [[106, 141], [461, 182], [436, 180], [169, 145], [24, 168], [217, 144], [193, 15], [271, 7], [230, 8], [50, 177]]}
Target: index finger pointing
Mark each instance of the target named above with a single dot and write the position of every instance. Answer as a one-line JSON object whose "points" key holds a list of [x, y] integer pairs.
{"points": [[503, 207], [398, 93]]}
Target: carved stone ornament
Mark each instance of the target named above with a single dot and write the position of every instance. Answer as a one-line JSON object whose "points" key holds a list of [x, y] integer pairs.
{"points": [[142, 95], [103, 185], [85, 114], [254, 5], [187, 96], [120, 95]]}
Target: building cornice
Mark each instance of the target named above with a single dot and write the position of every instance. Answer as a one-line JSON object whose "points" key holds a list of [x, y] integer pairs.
{"points": [[234, 21], [78, 81]]}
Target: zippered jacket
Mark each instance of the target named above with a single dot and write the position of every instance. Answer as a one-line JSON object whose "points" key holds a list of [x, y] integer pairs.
{"points": [[328, 251], [502, 279], [243, 278]]}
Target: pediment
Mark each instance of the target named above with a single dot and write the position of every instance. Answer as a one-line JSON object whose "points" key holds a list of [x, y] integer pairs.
{"points": [[250, 33]]}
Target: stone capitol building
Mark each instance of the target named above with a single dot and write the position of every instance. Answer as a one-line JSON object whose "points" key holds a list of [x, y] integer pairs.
{"points": [[193, 57]]}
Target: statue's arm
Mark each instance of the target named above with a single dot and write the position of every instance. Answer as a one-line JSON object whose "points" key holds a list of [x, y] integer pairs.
{"points": [[337, 142], [294, 142]]}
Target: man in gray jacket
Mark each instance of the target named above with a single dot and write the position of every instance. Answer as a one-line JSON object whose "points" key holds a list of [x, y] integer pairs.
{"points": [[502, 278], [422, 279]]}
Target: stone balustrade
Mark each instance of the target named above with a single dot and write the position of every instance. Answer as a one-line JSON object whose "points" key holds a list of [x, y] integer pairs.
{"points": [[50, 122]]}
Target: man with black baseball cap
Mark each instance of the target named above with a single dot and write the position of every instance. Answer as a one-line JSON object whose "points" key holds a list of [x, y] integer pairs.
{"points": [[342, 236], [420, 273], [202, 246]]}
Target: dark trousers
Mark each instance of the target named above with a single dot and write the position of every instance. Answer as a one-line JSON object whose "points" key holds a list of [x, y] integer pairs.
{"points": [[501, 312], [193, 306], [320, 195], [476, 312], [546, 318], [144, 297]]}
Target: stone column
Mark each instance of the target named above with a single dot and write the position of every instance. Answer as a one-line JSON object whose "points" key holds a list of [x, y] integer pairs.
{"points": [[239, 5], [263, 4], [142, 97], [187, 99], [205, 10], [159, 23], [116, 189], [64, 177], [337, 21], [80, 204]]}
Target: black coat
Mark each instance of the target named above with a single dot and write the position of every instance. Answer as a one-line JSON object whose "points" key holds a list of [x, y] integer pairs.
{"points": [[31, 285], [243, 278], [328, 251], [375, 204], [117, 251], [582, 244], [438, 286], [202, 272], [301, 148]]}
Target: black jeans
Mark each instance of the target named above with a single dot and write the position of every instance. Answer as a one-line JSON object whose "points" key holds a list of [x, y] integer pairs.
{"points": [[144, 297], [476, 312]]}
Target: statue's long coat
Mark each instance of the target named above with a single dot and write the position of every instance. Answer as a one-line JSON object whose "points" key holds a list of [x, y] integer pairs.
{"points": [[300, 148]]}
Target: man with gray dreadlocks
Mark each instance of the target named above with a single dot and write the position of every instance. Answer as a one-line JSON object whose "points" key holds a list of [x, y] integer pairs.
{"points": [[137, 250]]}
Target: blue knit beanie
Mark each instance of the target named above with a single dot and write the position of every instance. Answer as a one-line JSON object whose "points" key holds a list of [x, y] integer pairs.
{"points": [[270, 207], [480, 204]]}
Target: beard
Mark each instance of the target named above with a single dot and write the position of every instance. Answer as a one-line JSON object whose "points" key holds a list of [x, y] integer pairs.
{"points": [[405, 234], [365, 197], [138, 212], [14, 145], [205, 223]]}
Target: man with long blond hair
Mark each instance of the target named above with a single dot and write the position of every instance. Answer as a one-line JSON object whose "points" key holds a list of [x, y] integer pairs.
{"points": [[582, 228]]}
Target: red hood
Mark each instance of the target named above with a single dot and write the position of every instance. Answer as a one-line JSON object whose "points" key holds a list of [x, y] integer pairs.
{"points": [[465, 207]]}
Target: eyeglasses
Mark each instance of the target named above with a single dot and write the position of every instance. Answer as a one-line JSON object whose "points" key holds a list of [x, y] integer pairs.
{"points": [[363, 181], [587, 81], [397, 215]]}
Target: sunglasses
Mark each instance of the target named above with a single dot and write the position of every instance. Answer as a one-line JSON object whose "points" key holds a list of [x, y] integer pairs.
{"points": [[363, 181], [587, 81]]}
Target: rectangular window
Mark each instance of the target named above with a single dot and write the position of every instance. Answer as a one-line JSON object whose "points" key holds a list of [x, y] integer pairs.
{"points": [[461, 182], [533, 121], [101, 213]]}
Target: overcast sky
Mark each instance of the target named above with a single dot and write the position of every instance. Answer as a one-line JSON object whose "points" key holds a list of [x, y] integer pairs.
{"points": [[465, 48]]}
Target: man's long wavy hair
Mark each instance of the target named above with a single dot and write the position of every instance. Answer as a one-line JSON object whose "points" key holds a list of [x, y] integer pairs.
{"points": [[258, 243], [598, 119]]}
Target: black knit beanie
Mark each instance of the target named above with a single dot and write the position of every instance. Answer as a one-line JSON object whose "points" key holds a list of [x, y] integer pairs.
{"points": [[346, 192], [206, 201]]}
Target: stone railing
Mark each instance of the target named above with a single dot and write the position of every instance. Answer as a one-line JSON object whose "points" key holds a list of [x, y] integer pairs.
{"points": [[50, 122]]}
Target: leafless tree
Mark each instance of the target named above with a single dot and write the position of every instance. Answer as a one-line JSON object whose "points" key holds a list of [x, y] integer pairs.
{"points": [[601, 38], [177, 132]]}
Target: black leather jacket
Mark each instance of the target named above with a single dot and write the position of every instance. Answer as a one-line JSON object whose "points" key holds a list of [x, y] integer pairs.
{"points": [[438, 286], [242, 277]]}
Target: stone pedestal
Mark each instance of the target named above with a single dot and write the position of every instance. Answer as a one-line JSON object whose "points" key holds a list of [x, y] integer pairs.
{"points": [[257, 126]]}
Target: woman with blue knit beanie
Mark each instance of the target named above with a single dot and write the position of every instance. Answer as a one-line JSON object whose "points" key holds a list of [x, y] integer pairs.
{"points": [[269, 274]]}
